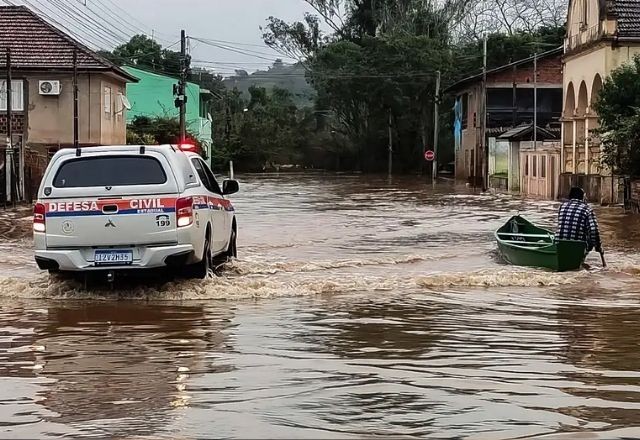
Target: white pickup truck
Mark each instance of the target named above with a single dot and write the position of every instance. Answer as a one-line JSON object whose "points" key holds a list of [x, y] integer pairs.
{"points": [[132, 207]]}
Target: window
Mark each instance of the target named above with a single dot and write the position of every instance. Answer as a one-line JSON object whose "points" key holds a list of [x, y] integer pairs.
{"points": [[201, 173], [543, 166], [214, 183], [526, 165], [206, 176], [119, 106], [17, 96], [585, 13], [107, 102], [110, 171], [534, 166]]}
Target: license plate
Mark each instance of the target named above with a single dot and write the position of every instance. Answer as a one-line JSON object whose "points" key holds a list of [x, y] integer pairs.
{"points": [[113, 258]]}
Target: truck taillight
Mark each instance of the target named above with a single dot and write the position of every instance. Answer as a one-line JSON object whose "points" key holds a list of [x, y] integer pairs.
{"points": [[39, 211], [184, 211]]}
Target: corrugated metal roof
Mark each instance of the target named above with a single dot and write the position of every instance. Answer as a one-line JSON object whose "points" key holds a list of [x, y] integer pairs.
{"points": [[36, 44]]}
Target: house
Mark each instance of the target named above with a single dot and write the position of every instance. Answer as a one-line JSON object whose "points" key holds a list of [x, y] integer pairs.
{"points": [[601, 36], [42, 70], [510, 106], [153, 96]]}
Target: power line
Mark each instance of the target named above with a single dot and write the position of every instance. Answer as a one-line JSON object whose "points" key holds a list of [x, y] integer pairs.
{"points": [[125, 13], [53, 17], [95, 19], [87, 5], [88, 22], [232, 43], [246, 52]]}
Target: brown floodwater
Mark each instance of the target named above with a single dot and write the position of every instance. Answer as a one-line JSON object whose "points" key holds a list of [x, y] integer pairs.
{"points": [[359, 307]]}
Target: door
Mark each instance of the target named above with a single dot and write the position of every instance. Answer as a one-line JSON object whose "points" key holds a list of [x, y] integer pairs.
{"points": [[215, 206]]}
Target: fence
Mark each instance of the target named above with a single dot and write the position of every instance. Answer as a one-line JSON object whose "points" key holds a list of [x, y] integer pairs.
{"points": [[606, 190], [34, 166]]}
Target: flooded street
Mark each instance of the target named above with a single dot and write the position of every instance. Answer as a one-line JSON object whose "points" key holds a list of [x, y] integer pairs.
{"points": [[359, 308]]}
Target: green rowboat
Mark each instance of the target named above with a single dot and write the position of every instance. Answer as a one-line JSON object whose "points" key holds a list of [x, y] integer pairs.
{"points": [[521, 243]]}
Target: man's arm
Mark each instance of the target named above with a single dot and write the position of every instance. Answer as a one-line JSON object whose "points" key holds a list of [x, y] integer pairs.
{"points": [[594, 231]]}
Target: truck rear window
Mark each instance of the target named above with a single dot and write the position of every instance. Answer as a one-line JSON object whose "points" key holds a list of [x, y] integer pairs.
{"points": [[110, 171]]}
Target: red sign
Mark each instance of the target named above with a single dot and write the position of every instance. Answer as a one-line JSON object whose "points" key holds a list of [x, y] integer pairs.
{"points": [[429, 155]]}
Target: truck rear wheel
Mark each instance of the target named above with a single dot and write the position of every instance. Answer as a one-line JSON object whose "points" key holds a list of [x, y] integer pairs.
{"points": [[201, 269]]}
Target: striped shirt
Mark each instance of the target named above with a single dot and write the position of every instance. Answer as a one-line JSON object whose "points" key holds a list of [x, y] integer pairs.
{"points": [[576, 221]]}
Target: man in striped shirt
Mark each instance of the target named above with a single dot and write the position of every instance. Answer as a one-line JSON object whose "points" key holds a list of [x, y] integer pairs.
{"points": [[576, 221]]}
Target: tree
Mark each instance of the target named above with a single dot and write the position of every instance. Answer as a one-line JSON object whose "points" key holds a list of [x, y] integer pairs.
{"points": [[618, 108], [511, 17], [379, 64], [156, 130], [142, 51]]}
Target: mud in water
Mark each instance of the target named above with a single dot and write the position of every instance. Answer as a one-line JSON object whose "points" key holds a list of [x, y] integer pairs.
{"points": [[359, 307]]}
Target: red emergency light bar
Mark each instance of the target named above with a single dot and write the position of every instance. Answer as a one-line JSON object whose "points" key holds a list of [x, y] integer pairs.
{"points": [[185, 146]]}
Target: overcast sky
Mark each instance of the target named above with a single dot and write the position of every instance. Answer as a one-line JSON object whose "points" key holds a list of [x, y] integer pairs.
{"points": [[235, 21]]}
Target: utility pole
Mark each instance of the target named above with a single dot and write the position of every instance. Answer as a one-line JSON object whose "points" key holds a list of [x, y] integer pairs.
{"points": [[182, 98], [76, 141], [390, 143], [436, 128], [8, 166], [485, 147], [535, 101]]}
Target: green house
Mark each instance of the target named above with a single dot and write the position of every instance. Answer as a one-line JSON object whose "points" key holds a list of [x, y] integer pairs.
{"points": [[153, 96]]}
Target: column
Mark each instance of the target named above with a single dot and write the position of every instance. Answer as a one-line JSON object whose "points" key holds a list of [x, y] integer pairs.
{"points": [[586, 146], [562, 163], [575, 136]]}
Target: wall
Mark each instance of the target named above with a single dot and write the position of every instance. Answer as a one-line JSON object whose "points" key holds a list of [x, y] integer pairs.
{"points": [[17, 125], [577, 26], [549, 78], [469, 136], [153, 96], [112, 123], [51, 117], [549, 73]]}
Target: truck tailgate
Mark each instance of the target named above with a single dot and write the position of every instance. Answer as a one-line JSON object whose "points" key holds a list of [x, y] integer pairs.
{"points": [[100, 222]]}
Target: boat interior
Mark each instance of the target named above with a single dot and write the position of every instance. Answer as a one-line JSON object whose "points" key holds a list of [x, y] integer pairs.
{"points": [[520, 232]]}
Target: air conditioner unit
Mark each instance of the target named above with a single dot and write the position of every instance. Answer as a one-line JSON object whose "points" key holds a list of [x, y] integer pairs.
{"points": [[49, 88]]}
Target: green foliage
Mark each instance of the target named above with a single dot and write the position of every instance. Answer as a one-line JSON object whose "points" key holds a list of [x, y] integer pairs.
{"points": [[156, 130], [262, 132], [618, 109], [278, 76], [142, 51], [381, 63]]}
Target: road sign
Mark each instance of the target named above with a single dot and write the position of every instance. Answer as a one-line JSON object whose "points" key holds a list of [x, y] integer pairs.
{"points": [[429, 155]]}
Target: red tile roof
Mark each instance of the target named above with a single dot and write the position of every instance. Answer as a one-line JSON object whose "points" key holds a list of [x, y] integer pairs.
{"points": [[35, 45]]}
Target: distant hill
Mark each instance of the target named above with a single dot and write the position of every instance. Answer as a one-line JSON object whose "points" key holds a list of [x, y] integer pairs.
{"points": [[284, 76]]}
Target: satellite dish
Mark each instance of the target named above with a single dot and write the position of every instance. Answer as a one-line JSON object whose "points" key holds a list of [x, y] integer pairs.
{"points": [[125, 102]]}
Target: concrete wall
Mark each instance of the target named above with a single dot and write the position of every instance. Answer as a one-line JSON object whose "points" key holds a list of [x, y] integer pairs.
{"points": [[153, 96], [50, 118], [469, 138], [550, 75]]}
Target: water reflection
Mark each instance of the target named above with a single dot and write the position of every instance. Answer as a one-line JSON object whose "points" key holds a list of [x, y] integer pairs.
{"points": [[122, 368], [371, 329], [359, 308]]}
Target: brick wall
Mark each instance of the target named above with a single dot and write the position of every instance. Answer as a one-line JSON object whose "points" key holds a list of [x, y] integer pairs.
{"points": [[17, 124], [549, 72]]}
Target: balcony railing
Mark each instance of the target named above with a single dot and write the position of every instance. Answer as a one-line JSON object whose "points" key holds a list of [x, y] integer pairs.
{"points": [[586, 36]]}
